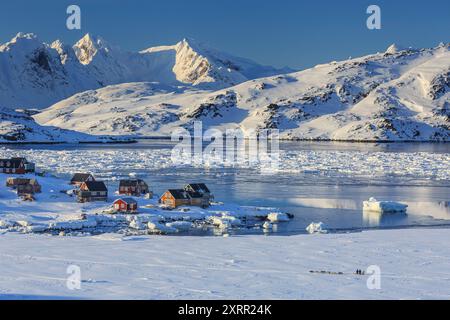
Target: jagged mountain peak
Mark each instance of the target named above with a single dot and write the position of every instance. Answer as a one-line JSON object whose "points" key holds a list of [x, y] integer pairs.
{"points": [[22, 42], [49, 73], [394, 48], [87, 47]]}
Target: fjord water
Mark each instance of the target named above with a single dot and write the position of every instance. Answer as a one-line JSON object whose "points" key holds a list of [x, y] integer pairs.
{"points": [[320, 195]]}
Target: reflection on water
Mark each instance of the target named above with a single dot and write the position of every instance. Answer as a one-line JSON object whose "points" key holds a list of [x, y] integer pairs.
{"points": [[373, 219]]}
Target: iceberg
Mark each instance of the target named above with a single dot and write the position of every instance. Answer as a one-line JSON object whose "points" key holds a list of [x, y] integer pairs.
{"points": [[384, 206]]}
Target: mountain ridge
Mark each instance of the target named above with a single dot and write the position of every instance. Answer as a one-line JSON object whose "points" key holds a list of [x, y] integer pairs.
{"points": [[52, 72], [397, 95]]}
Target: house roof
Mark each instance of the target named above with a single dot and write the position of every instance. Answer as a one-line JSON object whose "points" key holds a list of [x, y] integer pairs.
{"points": [[199, 187], [81, 177], [179, 194], [95, 186], [18, 181], [127, 200], [130, 182]]}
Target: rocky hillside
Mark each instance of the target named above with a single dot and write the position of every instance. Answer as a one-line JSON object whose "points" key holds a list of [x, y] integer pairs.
{"points": [[398, 95]]}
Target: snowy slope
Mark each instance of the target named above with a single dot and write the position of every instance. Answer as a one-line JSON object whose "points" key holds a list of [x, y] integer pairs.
{"points": [[399, 95], [20, 127], [34, 74]]}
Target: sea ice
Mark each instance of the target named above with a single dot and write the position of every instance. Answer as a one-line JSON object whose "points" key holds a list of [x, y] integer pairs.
{"points": [[316, 228], [278, 217], [384, 206]]}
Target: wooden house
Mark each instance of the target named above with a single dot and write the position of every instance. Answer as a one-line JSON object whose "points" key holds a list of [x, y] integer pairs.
{"points": [[174, 198], [15, 183], [79, 178], [92, 191], [25, 189], [127, 205], [16, 166], [134, 187]]}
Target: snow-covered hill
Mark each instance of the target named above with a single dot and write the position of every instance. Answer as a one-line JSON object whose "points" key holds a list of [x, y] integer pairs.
{"points": [[18, 126], [398, 95], [34, 74]]}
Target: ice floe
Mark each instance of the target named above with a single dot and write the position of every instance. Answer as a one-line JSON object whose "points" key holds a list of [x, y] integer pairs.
{"points": [[316, 228], [384, 206]]}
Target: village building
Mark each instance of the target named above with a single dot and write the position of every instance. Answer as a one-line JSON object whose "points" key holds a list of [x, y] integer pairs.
{"points": [[25, 190], [133, 187], [16, 166], [92, 191], [127, 205], [79, 178], [24, 184], [202, 189], [174, 198]]}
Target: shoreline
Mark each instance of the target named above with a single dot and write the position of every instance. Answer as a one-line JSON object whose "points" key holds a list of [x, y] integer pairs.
{"points": [[136, 139]]}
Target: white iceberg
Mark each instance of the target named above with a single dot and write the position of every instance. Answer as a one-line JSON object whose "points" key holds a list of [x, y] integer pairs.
{"points": [[225, 221], [316, 228], [180, 225], [384, 206], [278, 217], [158, 227]]}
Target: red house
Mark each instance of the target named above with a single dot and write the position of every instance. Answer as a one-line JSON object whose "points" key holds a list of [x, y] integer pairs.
{"points": [[125, 205]]}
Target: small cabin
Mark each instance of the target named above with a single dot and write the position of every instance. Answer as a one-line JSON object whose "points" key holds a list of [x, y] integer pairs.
{"points": [[14, 182], [174, 198], [92, 191], [79, 178], [134, 187], [16, 166], [32, 184], [127, 205], [25, 189]]}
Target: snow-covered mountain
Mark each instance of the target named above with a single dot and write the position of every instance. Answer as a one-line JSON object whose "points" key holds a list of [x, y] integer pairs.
{"points": [[398, 95], [36, 75]]}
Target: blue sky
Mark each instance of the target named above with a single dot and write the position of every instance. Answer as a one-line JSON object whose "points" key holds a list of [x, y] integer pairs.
{"points": [[284, 32]]}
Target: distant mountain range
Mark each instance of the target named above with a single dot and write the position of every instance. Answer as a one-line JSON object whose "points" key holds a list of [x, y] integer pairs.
{"points": [[97, 89], [36, 75]]}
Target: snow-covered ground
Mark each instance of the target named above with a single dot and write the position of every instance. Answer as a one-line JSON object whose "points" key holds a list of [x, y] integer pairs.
{"points": [[414, 264]]}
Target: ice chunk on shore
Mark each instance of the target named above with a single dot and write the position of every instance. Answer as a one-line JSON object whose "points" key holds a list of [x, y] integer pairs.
{"points": [[384, 206], [5, 224], [316, 228], [225, 221], [180, 225], [158, 227], [278, 217]]}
